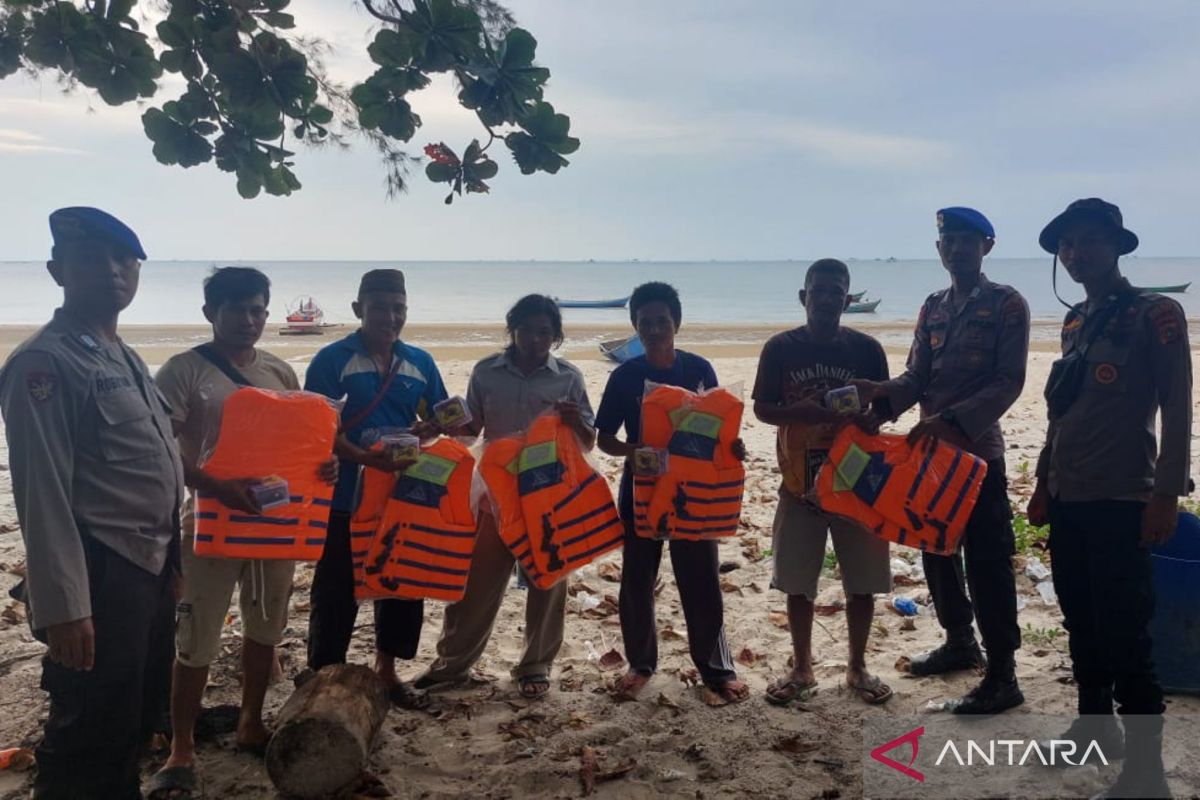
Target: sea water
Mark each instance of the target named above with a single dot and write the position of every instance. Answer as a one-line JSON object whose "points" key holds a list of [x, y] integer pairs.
{"points": [[738, 292]]}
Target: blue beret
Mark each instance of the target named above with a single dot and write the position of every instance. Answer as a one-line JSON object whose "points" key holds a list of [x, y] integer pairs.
{"points": [[959, 218], [81, 222]]}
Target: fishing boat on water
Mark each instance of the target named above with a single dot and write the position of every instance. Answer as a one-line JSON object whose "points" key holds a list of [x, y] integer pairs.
{"points": [[862, 308], [305, 318], [1178, 288], [622, 350], [617, 302]]}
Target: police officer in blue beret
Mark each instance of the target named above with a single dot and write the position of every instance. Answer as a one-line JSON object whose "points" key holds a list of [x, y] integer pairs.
{"points": [[98, 483], [966, 368]]}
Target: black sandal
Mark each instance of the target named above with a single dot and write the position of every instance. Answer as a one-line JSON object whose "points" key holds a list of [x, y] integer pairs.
{"points": [[405, 696], [529, 686], [183, 781]]}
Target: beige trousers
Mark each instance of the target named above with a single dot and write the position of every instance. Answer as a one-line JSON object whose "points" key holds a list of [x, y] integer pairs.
{"points": [[467, 624]]}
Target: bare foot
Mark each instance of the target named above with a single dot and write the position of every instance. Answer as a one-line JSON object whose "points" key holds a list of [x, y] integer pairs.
{"points": [[798, 685], [870, 689], [630, 686], [252, 737], [734, 691]]}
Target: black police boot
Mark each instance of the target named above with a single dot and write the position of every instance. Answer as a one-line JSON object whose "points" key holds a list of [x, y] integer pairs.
{"points": [[959, 652], [996, 693], [1142, 773], [1095, 723]]}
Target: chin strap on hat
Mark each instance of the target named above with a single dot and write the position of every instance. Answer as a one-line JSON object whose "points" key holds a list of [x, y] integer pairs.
{"points": [[1054, 284]]}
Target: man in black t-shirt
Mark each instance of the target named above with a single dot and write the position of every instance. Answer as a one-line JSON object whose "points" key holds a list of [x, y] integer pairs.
{"points": [[795, 371]]}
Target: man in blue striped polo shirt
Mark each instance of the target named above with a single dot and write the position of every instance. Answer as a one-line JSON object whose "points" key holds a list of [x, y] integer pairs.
{"points": [[389, 386]]}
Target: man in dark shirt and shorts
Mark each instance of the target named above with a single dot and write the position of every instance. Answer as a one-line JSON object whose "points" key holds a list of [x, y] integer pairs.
{"points": [[795, 371]]}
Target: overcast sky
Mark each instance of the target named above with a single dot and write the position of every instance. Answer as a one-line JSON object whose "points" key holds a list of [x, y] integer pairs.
{"points": [[755, 129]]}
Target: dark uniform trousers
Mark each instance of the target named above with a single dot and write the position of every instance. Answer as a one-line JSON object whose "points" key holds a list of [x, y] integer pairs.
{"points": [[99, 720], [1102, 575], [334, 609], [988, 545], [695, 565]]}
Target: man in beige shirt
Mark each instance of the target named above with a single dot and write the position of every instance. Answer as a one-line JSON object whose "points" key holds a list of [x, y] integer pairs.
{"points": [[196, 383]]}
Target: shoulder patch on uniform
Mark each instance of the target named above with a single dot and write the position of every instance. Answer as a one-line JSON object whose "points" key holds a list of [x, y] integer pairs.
{"points": [[1167, 318], [1105, 374], [42, 386], [1073, 323], [1013, 310]]}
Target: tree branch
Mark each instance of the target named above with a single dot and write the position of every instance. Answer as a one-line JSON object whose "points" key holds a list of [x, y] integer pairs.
{"points": [[379, 15]]}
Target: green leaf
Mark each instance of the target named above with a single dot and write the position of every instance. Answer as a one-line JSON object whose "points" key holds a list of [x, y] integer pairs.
{"points": [[320, 115], [280, 181], [276, 5], [277, 19], [173, 35], [175, 143], [440, 173], [172, 60], [550, 129], [518, 48], [391, 49], [485, 170], [445, 34], [532, 155], [118, 10], [249, 185]]}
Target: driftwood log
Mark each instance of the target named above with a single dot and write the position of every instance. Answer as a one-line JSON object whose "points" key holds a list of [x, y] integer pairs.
{"points": [[324, 732]]}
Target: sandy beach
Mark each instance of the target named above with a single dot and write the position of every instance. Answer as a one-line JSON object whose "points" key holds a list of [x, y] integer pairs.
{"points": [[484, 741]]}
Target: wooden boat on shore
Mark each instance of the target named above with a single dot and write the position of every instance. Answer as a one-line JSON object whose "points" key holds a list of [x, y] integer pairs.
{"points": [[1178, 288], [305, 318], [863, 308], [622, 350], [856, 297], [618, 302]]}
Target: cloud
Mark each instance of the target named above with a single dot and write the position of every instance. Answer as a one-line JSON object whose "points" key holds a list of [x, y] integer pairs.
{"points": [[17, 141], [647, 128]]}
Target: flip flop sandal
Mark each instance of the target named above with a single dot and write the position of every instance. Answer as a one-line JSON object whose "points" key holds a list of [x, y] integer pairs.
{"points": [[526, 685], [874, 692], [183, 781], [798, 692]]}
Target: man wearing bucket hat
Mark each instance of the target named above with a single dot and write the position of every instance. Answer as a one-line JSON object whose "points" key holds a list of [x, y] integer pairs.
{"points": [[966, 368], [1106, 490], [97, 483]]}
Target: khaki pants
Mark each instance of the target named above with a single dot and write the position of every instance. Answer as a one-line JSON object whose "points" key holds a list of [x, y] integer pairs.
{"points": [[467, 624]]}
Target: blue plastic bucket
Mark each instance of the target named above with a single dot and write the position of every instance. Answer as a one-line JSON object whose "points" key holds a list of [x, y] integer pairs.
{"points": [[1175, 629]]}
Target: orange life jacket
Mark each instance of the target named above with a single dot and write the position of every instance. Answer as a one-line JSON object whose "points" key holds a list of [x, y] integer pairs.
{"points": [[918, 497], [264, 432], [414, 538], [700, 496], [554, 511]]}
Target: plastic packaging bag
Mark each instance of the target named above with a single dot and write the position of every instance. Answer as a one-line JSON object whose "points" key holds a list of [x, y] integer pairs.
{"points": [[413, 533], [554, 509], [284, 436], [699, 493], [918, 497]]}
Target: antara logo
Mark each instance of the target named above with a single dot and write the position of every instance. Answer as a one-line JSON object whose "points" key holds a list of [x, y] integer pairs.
{"points": [[1020, 752], [991, 752], [913, 739]]}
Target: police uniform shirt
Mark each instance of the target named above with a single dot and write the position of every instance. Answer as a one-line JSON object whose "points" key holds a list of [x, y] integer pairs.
{"points": [[970, 361], [1104, 446], [345, 369], [91, 453]]}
